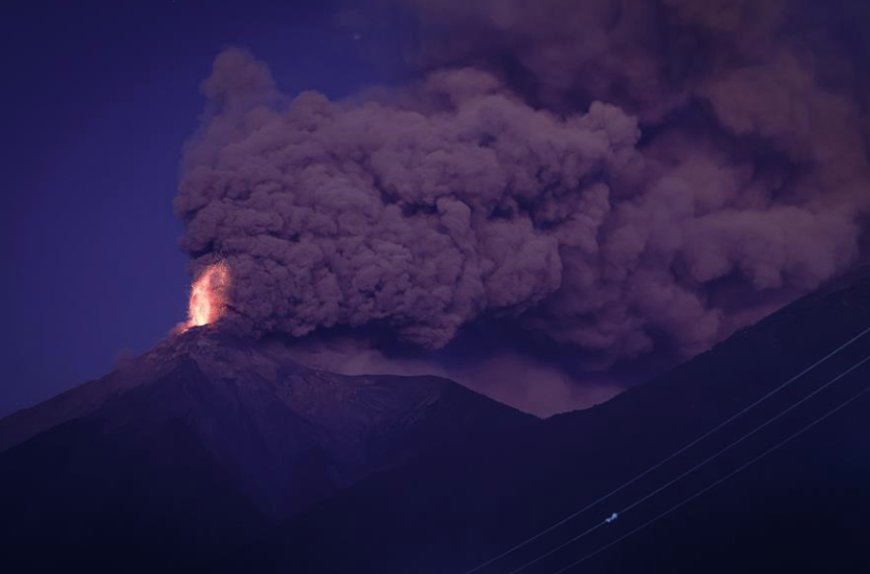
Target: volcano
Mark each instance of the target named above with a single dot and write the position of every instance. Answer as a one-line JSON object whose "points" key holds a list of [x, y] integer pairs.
{"points": [[218, 453], [208, 439]]}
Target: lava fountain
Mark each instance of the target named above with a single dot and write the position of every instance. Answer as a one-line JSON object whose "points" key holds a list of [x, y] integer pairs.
{"points": [[207, 300]]}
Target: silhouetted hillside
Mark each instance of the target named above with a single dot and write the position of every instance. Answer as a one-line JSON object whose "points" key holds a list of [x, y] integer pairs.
{"points": [[806, 508]]}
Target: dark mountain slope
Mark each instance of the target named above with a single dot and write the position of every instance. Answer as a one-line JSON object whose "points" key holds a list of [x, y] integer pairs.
{"points": [[82, 498], [198, 446], [201, 443], [805, 508]]}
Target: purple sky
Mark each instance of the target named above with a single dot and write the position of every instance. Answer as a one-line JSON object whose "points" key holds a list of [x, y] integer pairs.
{"points": [[99, 98]]}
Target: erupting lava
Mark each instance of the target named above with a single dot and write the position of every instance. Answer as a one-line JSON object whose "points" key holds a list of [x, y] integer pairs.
{"points": [[207, 296]]}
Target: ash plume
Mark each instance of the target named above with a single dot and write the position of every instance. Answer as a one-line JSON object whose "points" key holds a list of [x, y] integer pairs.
{"points": [[610, 176]]}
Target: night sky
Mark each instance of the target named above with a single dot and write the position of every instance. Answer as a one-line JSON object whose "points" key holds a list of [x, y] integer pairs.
{"points": [[99, 98]]}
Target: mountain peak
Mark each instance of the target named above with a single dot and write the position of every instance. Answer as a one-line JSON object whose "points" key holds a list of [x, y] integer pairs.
{"points": [[287, 435]]}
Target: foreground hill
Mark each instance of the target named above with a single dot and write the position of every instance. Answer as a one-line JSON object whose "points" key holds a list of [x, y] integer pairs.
{"points": [[804, 508]]}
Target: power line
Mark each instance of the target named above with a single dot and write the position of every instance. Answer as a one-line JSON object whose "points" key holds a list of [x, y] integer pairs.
{"points": [[739, 469], [665, 460], [699, 465]]}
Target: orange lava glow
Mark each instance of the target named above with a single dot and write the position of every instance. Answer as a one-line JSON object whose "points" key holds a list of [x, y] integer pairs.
{"points": [[207, 296]]}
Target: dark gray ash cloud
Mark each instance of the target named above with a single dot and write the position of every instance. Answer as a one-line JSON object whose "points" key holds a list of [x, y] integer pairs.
{"points": [[610, 176]]}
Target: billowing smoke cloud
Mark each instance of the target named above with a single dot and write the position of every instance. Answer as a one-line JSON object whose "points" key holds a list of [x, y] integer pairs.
{"points": [[610, 176]]}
